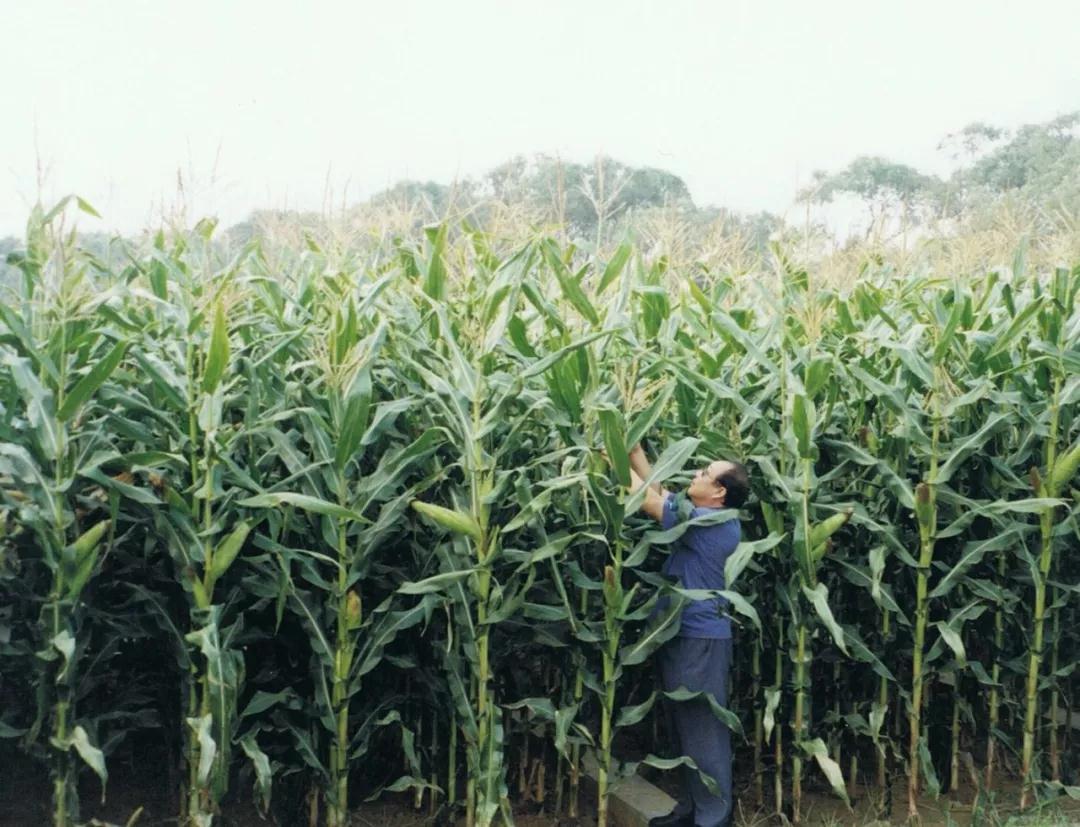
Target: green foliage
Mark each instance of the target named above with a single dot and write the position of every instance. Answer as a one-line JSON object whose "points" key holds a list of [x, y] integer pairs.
{"points": [[357, 506], [874, 179]]}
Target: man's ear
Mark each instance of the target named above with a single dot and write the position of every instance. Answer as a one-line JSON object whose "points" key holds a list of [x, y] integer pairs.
{"points": [[721, 494]]}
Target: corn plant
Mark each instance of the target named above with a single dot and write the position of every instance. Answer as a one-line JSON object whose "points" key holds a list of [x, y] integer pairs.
{"points": [[56, 355], [188, 354], [371, 494], [1058, 468], [344, 468]]}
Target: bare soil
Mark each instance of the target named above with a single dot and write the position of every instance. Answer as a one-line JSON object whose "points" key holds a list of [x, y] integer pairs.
{"points": [[142, 782]]}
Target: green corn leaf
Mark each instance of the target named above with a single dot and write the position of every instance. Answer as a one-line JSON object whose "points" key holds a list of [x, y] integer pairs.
{"points": [[264, 776], [435, 277], [645, 420], [93, 757], [699, 296], [611, 426], [669, 462], [742, 606], [773, 519], [8, 731], [772, 703], [916, 364], [819, 599], [729, 718], [128, 491], [305, 502], [968, 446], [217, 355], [739, 559], [356, 416], [972, 554], [898, 487], [200, 593], [200, 727], [516, 330], [570, 285], [80, 558], [1072, 792], [40, 403], [93, 380], [1018, 324], [59, 206], [22, 341], [953, 641], [654, 637], [816, 748], [544, 364], [85, 206], [437, 582], [614, 267], [262, 701], [668, 764], [802, 423], [817, 375], [947, 334], [731, 331], [64, 643], [926, 763]]}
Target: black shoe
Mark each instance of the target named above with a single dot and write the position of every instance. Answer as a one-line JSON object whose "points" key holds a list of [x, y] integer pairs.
{"points": [[673, 820]]}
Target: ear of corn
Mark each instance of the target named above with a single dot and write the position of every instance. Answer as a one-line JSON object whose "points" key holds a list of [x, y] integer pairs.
{"points": [[1065, 467], [450, 519]]}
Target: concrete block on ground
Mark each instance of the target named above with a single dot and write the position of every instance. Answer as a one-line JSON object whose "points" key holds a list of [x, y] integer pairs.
{"points": [[634, 800]]}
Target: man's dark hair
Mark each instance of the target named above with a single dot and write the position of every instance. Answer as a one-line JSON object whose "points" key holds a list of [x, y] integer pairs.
{"points": [[736, 479]]}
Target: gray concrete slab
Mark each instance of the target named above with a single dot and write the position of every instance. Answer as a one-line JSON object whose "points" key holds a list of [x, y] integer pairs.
{"points": [[634, 800]]}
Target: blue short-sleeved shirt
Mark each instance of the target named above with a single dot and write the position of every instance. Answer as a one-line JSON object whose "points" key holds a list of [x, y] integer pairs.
{"points": [[697, 561]]}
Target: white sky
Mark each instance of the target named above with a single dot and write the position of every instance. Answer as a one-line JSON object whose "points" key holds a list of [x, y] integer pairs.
{"points": [[262, 104]]}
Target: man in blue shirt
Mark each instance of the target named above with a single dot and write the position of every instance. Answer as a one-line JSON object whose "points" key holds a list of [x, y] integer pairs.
{"points": [[699, 658]]}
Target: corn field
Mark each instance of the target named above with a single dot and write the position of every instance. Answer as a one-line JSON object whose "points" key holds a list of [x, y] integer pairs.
{"points": [[330, 523]]}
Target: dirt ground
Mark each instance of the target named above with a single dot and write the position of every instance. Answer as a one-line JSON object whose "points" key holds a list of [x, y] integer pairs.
{"points": [[25, 793]]}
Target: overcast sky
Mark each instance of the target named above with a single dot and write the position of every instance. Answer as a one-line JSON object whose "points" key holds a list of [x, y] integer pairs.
{"points": [[261, 104]]}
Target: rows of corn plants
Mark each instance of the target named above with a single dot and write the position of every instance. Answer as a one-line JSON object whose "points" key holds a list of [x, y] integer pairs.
{"points": [[283, 512]]}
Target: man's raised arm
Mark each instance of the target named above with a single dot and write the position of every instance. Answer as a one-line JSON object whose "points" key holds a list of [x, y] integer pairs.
{"points": [[639, 463], [653, 504]]}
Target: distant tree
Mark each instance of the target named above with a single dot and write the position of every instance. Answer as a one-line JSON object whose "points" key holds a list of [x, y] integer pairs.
{"points": [[758, 228], [1035, 167], [755, 230], [883, 185], [971, 141], [430, 196], [598, 201], [874, 179], [1040, 160], [584, 196]]}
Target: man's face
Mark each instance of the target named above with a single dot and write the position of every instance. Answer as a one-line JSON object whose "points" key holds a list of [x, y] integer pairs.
{"points": [[704, 490]]}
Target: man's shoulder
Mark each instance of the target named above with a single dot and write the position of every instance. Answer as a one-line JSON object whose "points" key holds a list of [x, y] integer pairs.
{"points": [[721, 517], [727, 528]]}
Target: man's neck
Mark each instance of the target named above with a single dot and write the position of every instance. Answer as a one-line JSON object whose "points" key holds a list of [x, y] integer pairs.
{"points": [[709, 504]]}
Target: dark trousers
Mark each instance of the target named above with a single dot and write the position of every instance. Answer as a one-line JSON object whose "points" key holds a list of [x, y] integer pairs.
{"points": [[700, 665]]}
